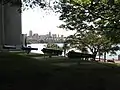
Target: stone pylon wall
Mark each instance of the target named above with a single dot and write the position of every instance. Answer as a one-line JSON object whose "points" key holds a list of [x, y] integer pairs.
{"points": [[10, 26], [1, 26]]}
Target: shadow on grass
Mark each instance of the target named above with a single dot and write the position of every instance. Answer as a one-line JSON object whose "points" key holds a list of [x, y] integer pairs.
{"points": [[22, 73]]}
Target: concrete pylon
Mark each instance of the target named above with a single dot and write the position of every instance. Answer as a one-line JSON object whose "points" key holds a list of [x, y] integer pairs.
{"points": [[10, 25]]}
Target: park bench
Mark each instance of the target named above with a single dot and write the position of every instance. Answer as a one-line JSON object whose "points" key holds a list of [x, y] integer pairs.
{"points": [[8, 47], [51, 52], [78, 55], [28, 49]]}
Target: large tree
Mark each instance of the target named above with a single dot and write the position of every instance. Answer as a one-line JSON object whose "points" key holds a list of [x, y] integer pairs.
{"points": [[91, 42], [103, 15], [96, 23]]}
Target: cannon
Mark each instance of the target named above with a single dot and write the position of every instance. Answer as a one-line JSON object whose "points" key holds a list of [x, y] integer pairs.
{"points": [[51, 52], [72, 54]]}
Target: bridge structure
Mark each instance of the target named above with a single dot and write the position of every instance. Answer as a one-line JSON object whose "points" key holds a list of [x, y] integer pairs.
{"points": [[10, 26]]}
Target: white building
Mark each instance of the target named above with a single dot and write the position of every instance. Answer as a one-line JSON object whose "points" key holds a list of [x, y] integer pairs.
{"points": [[35, 36], [24, 36], [42, 37], [30, 33], [10, 25]]}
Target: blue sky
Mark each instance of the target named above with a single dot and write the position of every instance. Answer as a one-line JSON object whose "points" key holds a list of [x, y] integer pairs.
{"points": [[42, 22]]}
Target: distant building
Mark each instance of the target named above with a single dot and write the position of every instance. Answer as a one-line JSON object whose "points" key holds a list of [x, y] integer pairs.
{"points": [[61, 36], [51, 38], [42, 37], [50, 34], [35, 36], [30, 33], [54, 35], [23, 38]]}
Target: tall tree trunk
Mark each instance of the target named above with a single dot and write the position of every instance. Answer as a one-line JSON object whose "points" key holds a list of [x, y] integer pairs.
{"points": [[99, 56], [104, 56], [94, 57], [65, 49], [99, 53], [64, 52], [95, 54]]}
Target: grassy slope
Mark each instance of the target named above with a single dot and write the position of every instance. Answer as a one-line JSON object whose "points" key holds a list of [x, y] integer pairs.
{"points": [[23, 73]]}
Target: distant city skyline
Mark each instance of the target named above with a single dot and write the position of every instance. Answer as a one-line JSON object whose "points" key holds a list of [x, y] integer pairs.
{"points": [[31, 33], [47, 38], [37, 21]]}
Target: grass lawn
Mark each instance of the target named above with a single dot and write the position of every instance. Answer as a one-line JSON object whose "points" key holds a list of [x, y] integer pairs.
{"points": [[20, 72]]}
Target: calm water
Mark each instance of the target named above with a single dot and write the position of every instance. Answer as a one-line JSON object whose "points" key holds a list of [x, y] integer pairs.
{"points": [[41, 46]]}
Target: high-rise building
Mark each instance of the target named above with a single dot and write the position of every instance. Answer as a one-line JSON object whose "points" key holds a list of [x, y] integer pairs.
{"points": [[35, 36], [24, 36], [30, 33], [62, 36], [49, 34], [55, 35]]}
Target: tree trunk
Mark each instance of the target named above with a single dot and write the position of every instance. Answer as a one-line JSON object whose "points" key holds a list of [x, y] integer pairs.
{"points": [[104, 56], [99, 54], [94, 57], [64, 52], [95, 53]]}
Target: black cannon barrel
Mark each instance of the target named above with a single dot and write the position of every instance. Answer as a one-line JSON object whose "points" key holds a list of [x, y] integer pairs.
{"points": [[9, 47], [79, 55], [52, 51], [29, 48]]}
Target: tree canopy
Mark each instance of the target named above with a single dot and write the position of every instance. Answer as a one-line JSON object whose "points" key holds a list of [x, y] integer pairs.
{"points": [[102, 17], [53, 46], [96, 23], [25, 4]]}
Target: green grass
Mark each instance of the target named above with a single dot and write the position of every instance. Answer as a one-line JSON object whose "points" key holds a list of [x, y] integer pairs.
{"points": [[21, 72]]}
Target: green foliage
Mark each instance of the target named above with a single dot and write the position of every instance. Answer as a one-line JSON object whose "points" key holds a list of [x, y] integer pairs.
{"points": [[28, 4], [12, 2], [53, 46], [85, 2], [90, 42], [44, 3], [100, 16], [96, 23]]}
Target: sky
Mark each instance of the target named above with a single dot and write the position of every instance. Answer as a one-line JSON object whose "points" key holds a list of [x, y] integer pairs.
{"points": [[42, 22]]}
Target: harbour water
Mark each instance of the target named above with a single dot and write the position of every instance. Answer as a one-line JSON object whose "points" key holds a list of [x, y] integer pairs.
{"points": [[42, 45]]}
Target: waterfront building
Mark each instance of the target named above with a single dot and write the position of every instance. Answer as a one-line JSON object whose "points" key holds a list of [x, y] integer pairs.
{"points": [[35, 36], [30, 33], [24, 36], [49, 34], [50, 38]]}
